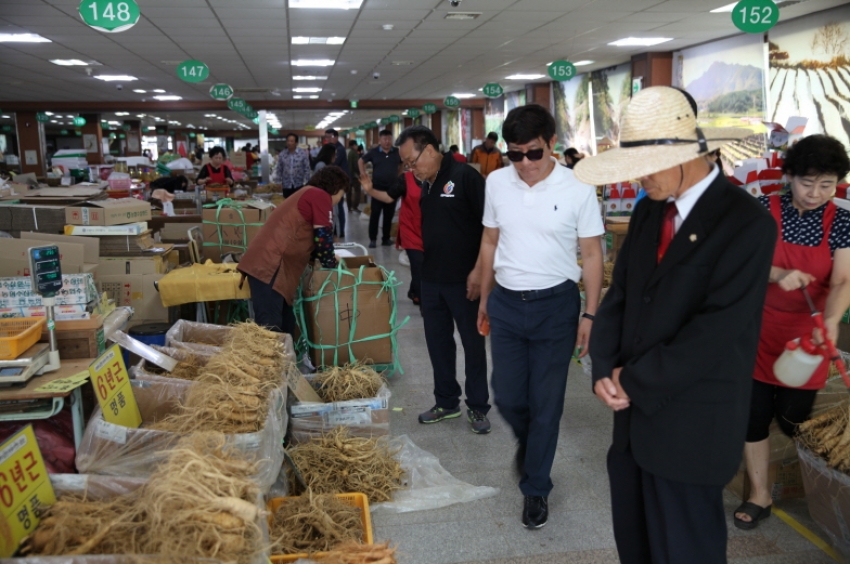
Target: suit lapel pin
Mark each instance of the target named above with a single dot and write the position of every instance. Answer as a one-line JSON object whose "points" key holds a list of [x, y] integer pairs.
{"points": [[693, 238]]}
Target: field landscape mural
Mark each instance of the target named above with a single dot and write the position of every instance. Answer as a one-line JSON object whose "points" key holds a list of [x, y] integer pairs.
{"points": [[572, 114], [809, 62]]}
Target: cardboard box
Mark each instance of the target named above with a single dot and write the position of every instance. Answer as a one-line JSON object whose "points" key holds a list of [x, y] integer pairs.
{"points": [[45, 219], [828, 498], [108, 212], [14, 256], [239, 159], [79, 343], [158, 262], [137, 291], [226, 230], [368, 317]]}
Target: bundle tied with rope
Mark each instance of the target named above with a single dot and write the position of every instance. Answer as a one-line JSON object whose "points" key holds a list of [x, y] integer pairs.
{"points": [[230, 225], [348, 315]]}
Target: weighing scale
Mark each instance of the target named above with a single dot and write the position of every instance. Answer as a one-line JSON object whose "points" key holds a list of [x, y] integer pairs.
{"points": [[46, 277]]}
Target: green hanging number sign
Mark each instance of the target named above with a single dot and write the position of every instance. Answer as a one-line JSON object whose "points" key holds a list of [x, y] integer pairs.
{"points": [[7, 128], [79, 121], [429, 109], [451, 102], [111, 16], [755, 16], [493, 90], [172, 132], [63, 132], [394, 118], [192, 135], [42, 117], [413, 113], [78, 133], [221, 91], [253, 114], [562, 70], [193, 71], [126, 127], [122, 136], [236, 104], [160, 132]]}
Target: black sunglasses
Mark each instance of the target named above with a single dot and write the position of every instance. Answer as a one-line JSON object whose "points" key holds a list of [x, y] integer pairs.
{"points": [[517, 156]]}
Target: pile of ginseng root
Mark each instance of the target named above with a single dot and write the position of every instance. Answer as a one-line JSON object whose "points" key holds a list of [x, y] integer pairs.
{"points": [[828, 436], [231, 393], [200, 502], [352, 381]]}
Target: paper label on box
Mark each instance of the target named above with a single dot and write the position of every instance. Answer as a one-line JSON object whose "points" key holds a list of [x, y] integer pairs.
{"points": [[348, 416], [85, 216], [110, 432]]}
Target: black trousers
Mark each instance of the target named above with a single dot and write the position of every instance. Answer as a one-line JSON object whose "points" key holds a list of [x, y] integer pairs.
{"points": [[340, 214], [417, 259], [445, 306], [270, 308], [287, 192], [789, 406], [378, 209], [659, 521]]}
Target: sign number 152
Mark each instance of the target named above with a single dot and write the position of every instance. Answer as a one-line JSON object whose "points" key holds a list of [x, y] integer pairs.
{"points": [[755, 16]]}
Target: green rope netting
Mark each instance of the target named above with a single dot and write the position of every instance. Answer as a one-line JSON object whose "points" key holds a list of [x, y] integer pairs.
{"points": [[343, 280], [235, 205]]}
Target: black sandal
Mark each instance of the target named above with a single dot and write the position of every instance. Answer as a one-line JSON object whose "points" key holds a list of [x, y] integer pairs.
{"points": [[756, 512]]}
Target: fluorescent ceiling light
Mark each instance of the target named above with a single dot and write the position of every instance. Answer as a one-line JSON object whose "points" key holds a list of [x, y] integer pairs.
{"points": [[301, 40], [168, 98], [524, 76], [22, 38], [462, 15], [313, 97], [5, 117], [726, 8], [48, 113], [209, 115], [306, 90], [462, 95], [312, 63], [141, 116], [326, 4], [73, 63], [116, 77], [309, 77], [387, 27], [140, 91], [159, 91], [640, 41], [122, 113], [583, 63], [297, 97]]}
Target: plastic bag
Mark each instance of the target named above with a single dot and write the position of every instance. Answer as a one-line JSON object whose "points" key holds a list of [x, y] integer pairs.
{"points": [[365, 417], [827, 498], [146, 368], [112, 559], [115, 450], [428, 484]]}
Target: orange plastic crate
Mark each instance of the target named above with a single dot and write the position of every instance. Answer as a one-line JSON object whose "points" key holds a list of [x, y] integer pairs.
{"points": [[358, 500], [18, 334]]}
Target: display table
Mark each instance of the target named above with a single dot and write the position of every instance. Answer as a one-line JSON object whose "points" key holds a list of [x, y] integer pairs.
{"points": [[28, 392]]}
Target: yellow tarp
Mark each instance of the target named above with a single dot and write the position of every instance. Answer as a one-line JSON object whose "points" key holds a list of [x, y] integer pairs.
{"points": [[202, 283]]}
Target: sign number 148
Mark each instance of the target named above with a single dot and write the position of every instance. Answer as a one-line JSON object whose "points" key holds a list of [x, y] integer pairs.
{"points": [[112, 11]]}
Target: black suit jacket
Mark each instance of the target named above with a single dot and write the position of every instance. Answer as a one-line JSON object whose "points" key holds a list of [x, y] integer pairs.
{"points": [[685, 332]]}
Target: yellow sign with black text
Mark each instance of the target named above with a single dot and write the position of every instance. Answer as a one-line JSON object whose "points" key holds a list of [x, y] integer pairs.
{"points": [[63, 385], [113, 390], [25, 489]]}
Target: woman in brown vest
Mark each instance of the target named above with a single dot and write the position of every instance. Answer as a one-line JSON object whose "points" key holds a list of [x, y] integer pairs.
{"points": [[298, 231]]}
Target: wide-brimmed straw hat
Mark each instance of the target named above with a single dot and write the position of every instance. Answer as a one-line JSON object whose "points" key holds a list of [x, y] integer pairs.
{"points": [[658, 131]]}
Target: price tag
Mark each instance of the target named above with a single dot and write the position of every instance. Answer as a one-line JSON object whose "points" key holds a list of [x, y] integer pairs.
{"points": [[493, 90], [193, 71], [112, 388], [64, 385], [111, 16], [221, 91], [429, 109], [42, 117], [236, 104], [562, 70], [755, 16], [79, 121], [25, 489]]}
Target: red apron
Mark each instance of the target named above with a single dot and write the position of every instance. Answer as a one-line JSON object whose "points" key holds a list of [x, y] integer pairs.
{"points": [[786, 314], [410, 217], [216, 177]]}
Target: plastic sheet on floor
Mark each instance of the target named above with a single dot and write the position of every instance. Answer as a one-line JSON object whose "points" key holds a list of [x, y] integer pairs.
{"points": [[428, 485]]}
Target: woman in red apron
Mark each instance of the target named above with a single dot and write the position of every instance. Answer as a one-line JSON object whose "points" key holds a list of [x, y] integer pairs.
{"points": [[215, 172], [812, 251]]}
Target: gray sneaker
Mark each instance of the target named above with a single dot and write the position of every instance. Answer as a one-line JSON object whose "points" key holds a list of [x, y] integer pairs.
{"points": [[436, 414], [480, 423]]}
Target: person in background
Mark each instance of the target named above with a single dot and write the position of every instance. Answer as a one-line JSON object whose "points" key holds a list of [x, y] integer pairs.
{"points": [[674, 341], [386, 168], [487, 155], [199, 153], [293, 166], [299, 231], [354, 193], [249, 158], [341, 160], [215, 172], [813, 252], [534, 211], [325, 157], [455, 151], [571, 157]]}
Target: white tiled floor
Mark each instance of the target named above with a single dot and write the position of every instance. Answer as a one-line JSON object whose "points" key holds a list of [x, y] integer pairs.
{"points": [[489, 531]]}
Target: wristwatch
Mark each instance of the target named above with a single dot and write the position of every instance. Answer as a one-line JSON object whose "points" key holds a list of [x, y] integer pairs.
{"points": [[587, 316]]}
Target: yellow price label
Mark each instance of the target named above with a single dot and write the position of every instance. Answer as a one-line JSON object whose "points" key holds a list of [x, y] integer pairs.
{"points": [[113, 390], [63, 385], [25, 489]]}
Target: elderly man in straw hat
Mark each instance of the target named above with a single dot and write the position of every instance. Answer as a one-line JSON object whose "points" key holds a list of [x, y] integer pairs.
{"points": [[674, 340]]}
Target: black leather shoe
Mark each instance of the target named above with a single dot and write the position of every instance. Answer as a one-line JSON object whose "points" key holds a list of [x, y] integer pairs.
{"points": [[535, 513]]}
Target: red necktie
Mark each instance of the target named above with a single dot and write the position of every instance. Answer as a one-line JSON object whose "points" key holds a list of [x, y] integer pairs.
{"points": [[668, 229]]}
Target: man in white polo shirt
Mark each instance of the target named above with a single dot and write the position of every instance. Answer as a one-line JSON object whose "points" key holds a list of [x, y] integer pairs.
{"points": [[536, 217]]}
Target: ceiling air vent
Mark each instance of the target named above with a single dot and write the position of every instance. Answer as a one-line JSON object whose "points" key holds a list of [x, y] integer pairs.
{"points": [[462, 15], [402, 63]]}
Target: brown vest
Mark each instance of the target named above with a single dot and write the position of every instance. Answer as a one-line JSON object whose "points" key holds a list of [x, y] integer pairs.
{"points": [[283, 247]]}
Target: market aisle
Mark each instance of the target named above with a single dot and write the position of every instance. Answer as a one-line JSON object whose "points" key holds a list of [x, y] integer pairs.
{"points": [[489, 531]]}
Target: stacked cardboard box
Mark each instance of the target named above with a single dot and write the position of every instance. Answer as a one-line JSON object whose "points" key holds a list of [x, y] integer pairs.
{"points": [[230, 228]]}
